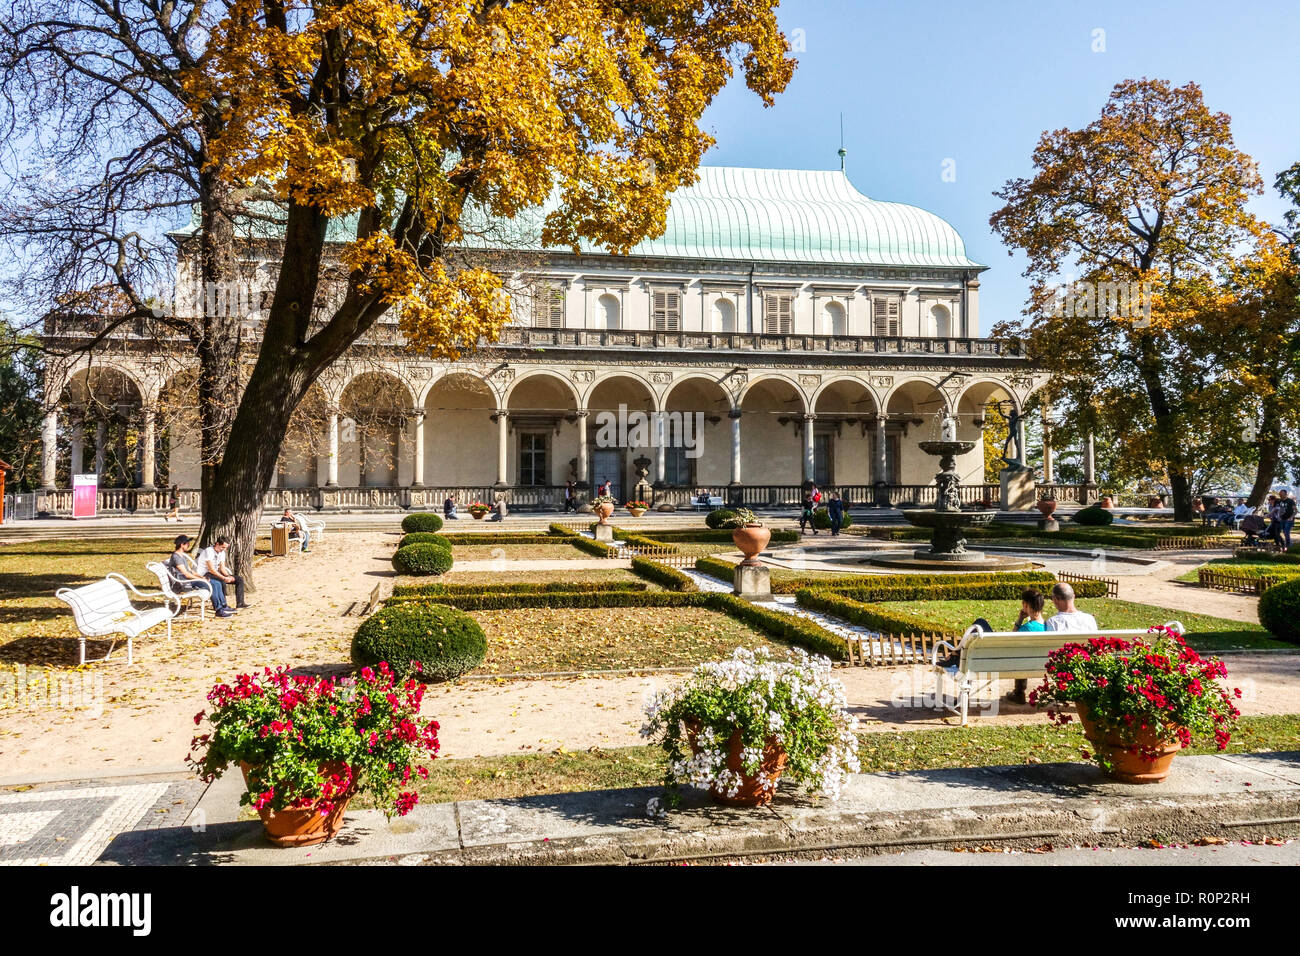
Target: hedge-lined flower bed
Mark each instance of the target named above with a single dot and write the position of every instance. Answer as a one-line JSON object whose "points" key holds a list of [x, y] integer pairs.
{"points": [[957, 591], [869, 616], [788, 627], [671, 578], [470, 539], [701, 536]]}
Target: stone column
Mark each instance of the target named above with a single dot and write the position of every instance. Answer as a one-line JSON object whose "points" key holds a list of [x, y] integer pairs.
{"points": [[734, 415], [584, 456], [880, 466], [147, 443], [661, 453], [101, 441], [503, 449], [417, 473], [1049, 471], [49, 449], [78, 450], [809, 447], [1089, 469], [332, 437]]}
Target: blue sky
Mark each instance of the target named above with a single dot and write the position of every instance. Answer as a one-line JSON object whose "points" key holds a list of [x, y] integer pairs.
{"points": [[977, 82]]}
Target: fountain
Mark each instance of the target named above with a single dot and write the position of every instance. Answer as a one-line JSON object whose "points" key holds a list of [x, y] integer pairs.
{"points": [[947, 520]]}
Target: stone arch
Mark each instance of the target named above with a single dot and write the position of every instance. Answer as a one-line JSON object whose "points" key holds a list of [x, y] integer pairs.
{"points": [[844, 432], [772, 421], [621, 439], [697, 432], [559, 382], [103, 408], [460, 435], [912, 412], [773, 380], [374, 411]]}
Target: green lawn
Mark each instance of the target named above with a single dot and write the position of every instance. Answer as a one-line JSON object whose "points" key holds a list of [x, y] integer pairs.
{"points": [[518, 552], [521, 775], [1205, 633], [541, 640]]}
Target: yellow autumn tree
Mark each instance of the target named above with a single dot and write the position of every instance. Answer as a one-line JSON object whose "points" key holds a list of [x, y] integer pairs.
{"points": [[1146, 207], [411, 122]]}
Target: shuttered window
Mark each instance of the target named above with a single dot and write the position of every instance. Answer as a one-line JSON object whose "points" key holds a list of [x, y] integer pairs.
{"points": [[778, 313], [550, 308], [666, 311], [884, 314]]}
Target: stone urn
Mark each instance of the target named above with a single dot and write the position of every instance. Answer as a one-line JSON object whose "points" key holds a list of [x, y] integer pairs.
{"points": [[751, 540], [1047, 506], [603, 510]]}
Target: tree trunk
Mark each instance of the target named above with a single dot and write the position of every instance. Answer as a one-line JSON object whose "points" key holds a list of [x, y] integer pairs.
{"points": [[1269, 454], [1179, 480]]}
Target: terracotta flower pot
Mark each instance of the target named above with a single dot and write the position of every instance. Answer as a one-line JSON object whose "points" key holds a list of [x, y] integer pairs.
{"points": [[479, 515], [1047, 506], [636, 512], [1127, 767], [751, 540], [303, 827], [604, 510], [1154, 502], [1107, 501], [751, 793]]}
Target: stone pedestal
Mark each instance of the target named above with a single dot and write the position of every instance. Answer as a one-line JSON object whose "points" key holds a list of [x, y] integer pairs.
{"points": [[1018, 492], [604, 532], [1048, 524], [753, 583]]}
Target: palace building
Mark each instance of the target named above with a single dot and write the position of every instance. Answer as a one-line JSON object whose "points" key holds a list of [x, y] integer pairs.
{"points": [[790, 327]]}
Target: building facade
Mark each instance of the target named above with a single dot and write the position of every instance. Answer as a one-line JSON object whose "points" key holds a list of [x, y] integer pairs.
{"points": [[785, 328]]}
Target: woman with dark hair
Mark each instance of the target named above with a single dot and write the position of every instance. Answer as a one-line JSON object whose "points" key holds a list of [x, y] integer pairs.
{"points": [[1031, 611]]}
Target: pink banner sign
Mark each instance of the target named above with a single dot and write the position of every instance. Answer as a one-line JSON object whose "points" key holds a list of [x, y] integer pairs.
{"points": [[85, 495]]}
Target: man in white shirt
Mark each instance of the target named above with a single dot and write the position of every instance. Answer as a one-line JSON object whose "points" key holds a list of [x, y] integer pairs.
{"points": [[1067, 616], [212, 564]]}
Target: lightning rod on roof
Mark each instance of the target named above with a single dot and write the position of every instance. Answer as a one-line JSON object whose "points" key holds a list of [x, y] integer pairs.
{"points": [[843, 152]]}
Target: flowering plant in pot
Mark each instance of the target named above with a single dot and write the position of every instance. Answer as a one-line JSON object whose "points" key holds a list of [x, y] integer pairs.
{"points": [[1140, 701], [736, 726], [478, 509], [604, 506], [636, 508], [308, 745], [748, 534]]}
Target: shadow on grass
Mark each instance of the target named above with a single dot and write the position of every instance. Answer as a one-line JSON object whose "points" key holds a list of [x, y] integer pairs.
{"points": [[56, 651], [18, 585]]}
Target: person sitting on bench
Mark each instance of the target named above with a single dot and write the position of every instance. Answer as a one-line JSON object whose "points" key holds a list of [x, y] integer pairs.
{"points": [[212, 563], [1067, 616], [181, 566], [291, 519]]}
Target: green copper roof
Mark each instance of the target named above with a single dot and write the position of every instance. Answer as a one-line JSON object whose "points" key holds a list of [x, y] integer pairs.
{"points": [[796, 215], [771, 215]]}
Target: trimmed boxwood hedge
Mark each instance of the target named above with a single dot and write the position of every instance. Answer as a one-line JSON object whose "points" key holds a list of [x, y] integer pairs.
{"points": [[444, 641], [1093, 515], [702, 535], [440, 590], [720, 518], [599, 548], [642, 541], [1279, 611], [784, 582], [425, 537], [958, 591], [670, 578], [463, 539], [822, 519], [422, 559], [422, 521]]}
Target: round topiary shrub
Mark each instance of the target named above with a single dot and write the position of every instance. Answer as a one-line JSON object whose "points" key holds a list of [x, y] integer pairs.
{"points": [[720, 518], [422, 521], [424, 537], [822, 519], [1093, 514], [1279, 611], [422, 559], [444, 641]]}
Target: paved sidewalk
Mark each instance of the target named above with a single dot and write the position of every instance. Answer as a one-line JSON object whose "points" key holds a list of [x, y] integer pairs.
{"points": [[1233, 797]]}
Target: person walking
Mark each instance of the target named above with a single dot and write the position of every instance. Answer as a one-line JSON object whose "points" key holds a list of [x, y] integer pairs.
{"points": [[570, 498], [835, 511], [806, 514], [173, 505], [1286, 514]]}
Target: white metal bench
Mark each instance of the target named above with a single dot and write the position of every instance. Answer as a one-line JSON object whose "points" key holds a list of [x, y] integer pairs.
{"points": [[175, 588], [713, 503], [314, 528], [1009, 655], [104, 609]]}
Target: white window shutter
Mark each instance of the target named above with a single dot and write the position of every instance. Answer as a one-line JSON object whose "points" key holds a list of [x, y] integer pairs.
{"points": [[884, 316], [778, 313], [666, 310]]}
